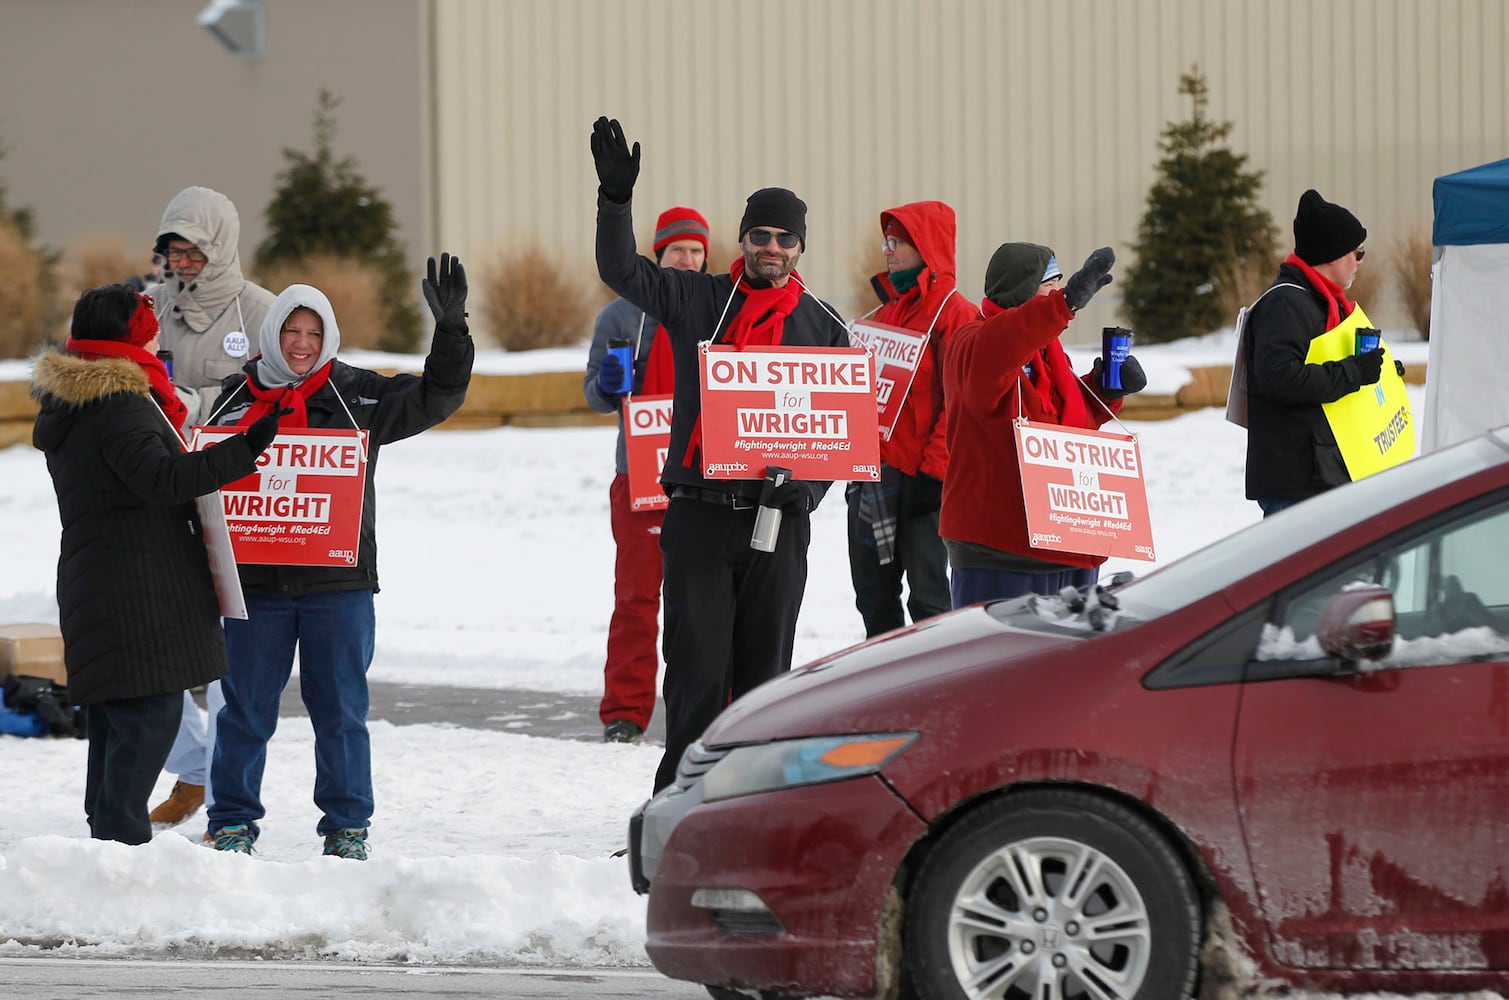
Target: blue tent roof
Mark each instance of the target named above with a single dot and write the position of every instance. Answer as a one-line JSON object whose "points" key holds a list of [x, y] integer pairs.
{"points": [[1472, 206]]}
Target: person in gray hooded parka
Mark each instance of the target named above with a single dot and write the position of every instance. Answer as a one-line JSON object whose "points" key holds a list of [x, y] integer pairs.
{"points": [[208, 311]]}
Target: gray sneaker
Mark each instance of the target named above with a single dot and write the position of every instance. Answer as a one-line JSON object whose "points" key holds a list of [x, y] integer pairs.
{"points": [[621, 731]]}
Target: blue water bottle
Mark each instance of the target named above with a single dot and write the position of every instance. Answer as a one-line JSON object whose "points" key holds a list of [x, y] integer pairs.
{"points": [[166, 357], [623, 350]]}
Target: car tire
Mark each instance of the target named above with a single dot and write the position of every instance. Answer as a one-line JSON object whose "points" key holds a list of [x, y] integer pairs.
{"points": [[730, 993], [1094, 899]]}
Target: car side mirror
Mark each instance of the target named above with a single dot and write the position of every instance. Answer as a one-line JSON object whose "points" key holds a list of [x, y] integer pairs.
{"points": [[1357, 624]]}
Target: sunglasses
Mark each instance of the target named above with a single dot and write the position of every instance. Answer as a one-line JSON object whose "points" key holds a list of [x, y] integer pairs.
{"points": [[760, 237], [1359, 253]]}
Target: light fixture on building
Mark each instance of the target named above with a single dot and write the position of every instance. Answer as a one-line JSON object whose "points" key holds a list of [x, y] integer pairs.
{"points": [[238, 24]]}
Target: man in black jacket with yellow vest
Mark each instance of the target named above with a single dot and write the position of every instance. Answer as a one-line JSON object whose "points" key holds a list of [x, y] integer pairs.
{"points": [[730, 611]]}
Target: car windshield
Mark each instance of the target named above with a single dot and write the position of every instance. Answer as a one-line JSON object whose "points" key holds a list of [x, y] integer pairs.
{"points": [[1228, 560]]}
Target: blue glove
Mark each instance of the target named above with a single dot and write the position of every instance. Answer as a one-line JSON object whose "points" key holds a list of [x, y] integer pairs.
{"points": [[610, 376]]}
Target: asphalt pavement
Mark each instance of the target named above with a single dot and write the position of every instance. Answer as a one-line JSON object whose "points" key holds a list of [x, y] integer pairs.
{"points": [[536, 713]]}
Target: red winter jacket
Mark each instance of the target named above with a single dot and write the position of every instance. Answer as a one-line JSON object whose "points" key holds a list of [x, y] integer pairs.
{"points": [[985, 387], [919, 443]]}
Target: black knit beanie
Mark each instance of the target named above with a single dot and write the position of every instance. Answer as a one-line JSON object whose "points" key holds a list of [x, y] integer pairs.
{"points": [[1324, 232], [775, 207], [1015, 272]]}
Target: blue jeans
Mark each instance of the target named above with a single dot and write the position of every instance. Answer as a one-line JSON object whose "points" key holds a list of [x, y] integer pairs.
{"points": [[970, 586], [1272, 505], [334, 633]]}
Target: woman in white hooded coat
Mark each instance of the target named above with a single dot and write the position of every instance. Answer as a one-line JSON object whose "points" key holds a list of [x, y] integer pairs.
{"points": [[326, 612]]}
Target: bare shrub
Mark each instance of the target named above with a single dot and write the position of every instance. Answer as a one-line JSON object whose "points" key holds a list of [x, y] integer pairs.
{"points": [[100, 260], [865, 261], [1240, 280], [1367, 288], [354, 288], [25, 305], [531, 300], [1410, 259]]}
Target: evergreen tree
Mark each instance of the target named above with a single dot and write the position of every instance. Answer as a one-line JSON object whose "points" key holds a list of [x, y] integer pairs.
{"points": [[325, 206], [1204, 237]]}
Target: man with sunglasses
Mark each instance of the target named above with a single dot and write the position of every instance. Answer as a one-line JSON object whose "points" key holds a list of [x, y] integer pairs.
{"points": [[730, 611], [893, 523], [209, 315], [1292, 452]]}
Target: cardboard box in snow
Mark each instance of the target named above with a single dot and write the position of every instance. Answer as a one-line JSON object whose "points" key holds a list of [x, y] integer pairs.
{"points": [[33, 651], [1469, 307]]}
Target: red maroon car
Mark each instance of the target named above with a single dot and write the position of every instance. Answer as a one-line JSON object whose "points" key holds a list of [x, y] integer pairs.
{"points": [[1291, 746]]}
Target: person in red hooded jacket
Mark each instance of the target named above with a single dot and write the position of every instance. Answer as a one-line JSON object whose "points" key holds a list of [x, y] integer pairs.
{"points": [[1009, 364], [893, 523]]}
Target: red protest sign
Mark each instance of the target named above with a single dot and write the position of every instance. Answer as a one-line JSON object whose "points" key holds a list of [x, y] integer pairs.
{"points": [[647, 438], [303, 505], [810, 409], [897, 352], [1084, 491]]}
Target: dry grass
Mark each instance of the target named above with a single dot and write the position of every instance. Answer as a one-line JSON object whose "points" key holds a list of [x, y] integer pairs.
{"points": [[100, 260], [530, 300], [352, 286], [1410, 259], [1367, 288], [865, 261], [1240, 282], [25, 309]]}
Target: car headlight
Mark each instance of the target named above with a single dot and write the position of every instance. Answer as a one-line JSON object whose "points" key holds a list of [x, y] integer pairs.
{"points": [[768, 766]]}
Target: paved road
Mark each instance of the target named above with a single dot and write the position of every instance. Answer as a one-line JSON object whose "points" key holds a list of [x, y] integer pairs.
{"points": [[538, 713], [97, 979]]}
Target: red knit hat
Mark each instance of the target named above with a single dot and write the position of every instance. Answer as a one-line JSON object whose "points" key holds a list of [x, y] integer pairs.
{"points": [[893, 227], [143, 324], [680, 223]]}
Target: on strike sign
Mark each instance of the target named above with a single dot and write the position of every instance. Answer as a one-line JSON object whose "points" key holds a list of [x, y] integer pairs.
{"points": [[303, 505], [897, 352], [811, 409], [647, 438], [1084, 491]]}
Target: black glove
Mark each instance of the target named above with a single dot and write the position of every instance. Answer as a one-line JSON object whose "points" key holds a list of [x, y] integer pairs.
{"points": [[617, 168], [610, 375], [1089, 279], [1133, 378], [925, 495], [792, 497], [1365, 368], [1399, 367], [260, 434], [445, 292]]}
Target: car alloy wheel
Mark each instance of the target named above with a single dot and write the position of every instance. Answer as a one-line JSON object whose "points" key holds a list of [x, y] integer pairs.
{"points": [[1053, 893]]}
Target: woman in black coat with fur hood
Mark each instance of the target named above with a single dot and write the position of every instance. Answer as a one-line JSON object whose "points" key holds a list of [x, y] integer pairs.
{"points": [[137, 606]]}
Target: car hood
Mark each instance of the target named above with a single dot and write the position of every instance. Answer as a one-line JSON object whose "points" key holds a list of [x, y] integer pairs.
{"points": [[883, 684]]}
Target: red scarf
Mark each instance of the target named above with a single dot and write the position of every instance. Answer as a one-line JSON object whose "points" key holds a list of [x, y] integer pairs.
{"points": [[1053, 377], [660, 370], [760, 321], [1334, 294], [292, 397], [157, 374]]}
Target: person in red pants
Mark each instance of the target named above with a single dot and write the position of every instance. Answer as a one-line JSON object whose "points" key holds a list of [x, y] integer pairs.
{"points": [[631, 667]]}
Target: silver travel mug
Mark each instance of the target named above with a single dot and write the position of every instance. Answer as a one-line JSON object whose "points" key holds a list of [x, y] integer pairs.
{"points": [[767, 526]]}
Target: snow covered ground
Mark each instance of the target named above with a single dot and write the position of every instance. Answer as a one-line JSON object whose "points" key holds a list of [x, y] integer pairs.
{"points": [[496, 562]]}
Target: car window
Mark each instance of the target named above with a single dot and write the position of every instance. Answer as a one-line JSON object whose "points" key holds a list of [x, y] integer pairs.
{"points": [[1223, 563], [1451, 595]]}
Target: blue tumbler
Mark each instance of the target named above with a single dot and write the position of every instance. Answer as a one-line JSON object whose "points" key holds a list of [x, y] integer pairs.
{"points": [[623, 350], [1367, 339], [1115, 345]]}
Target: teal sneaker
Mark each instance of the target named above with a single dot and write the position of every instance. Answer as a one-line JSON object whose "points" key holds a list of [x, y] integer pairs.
{"points": [[238, 838], [350, 844]]}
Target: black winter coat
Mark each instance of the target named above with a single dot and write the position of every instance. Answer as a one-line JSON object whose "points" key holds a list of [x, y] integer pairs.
{"points": [[690, 304], [136, 603], [392, 408], [1291, 452]]}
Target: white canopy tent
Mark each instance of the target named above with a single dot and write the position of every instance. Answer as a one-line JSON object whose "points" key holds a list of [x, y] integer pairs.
{"points": [[1467, 388]]}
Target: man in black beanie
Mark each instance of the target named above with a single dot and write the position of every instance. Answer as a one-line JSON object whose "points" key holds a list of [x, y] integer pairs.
{"points": [[1292, 452], [730, 611]]}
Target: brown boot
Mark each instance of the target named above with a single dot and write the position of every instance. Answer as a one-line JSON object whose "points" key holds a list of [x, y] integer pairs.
{"points": [[184, 801]]}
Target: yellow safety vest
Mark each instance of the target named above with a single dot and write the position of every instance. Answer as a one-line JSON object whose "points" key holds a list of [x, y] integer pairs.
{"points": [[1373, 426]]}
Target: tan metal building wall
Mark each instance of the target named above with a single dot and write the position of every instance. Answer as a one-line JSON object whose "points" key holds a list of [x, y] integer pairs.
{"points": [[1037, 121]]}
